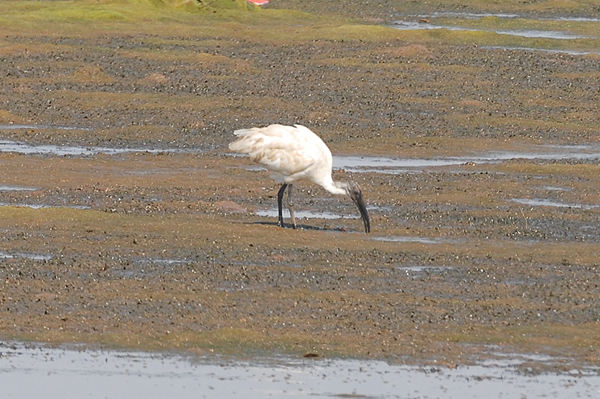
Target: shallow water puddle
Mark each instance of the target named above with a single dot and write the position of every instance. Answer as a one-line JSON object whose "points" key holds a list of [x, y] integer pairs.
{"points": [[144, 267], [533, 33], [422, 240], [423, 23], [472, 15], [34, 127], [60, 150], [422, 269], [300, 214], [366, 164], [166, 261], [389, 165], [554, 188], [419, 272], [44, 206], [16, 188], [6, 255], [35, 372], [545, 202]]}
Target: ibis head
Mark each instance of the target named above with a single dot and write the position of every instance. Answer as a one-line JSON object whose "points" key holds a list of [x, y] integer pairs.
{"points": [[355, 193]]}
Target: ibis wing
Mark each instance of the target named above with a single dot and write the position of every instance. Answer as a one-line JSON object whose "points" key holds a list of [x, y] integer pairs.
{"points": [[289, 151]]}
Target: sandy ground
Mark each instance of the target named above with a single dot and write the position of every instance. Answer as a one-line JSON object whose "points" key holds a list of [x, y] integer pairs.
{"points": [[163, 250]]}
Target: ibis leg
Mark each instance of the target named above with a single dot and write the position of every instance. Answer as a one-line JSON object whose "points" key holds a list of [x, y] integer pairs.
{"points": [[291, 205], [280, 203]]}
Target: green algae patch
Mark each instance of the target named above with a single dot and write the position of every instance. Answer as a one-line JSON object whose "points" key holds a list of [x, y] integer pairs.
{"points": [[81, 11], [224, 341], [110, 14], [222, 17], [244, 341], [241, 20], [23, 214]]}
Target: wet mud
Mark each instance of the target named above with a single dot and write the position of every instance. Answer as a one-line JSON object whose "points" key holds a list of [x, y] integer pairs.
{"points": [[146, 233]]}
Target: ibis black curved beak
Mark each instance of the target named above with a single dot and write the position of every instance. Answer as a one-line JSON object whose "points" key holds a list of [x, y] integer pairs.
{"points": [[357, 198]]}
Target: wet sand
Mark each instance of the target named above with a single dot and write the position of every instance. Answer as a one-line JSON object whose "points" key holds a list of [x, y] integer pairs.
{"points": [[164, 249]]}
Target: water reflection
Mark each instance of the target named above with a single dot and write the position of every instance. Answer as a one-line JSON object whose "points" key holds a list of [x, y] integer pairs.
{"points": [[472, 15], [300, 214], [16, 188], [36, 372], [62, 150], [7, 255], [528, 33], [44, 206], [550, 203], [365, 164], [34, 127], [424, 22], [421, 240]]}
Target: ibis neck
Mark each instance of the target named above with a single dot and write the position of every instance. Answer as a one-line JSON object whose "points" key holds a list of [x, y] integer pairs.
{"points": [[336, 187]]}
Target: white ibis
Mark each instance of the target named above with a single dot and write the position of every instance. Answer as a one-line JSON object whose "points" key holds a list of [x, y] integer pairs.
{"points": [[295, 153]]}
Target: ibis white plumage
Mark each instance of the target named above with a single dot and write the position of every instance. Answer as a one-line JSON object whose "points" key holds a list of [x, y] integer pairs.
{"points": [[294, 153]]}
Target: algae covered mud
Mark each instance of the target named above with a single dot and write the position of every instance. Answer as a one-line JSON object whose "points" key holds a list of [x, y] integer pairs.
{"points": [[127, 223]]}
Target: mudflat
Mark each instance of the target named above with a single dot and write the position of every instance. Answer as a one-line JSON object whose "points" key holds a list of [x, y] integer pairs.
{"points": [[127, 223]]}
